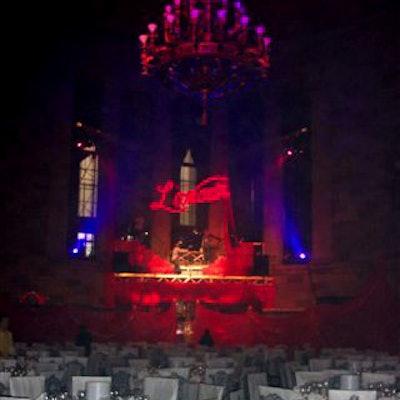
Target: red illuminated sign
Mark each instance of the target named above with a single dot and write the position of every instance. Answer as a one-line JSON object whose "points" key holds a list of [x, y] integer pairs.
{"points": [[172, 200]]}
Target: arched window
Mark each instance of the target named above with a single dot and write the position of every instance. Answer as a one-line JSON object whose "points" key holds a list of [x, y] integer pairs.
{"points": [[188, 180], [84, 237], [88, 183]]}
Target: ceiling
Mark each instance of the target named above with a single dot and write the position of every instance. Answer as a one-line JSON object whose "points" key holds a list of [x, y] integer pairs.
{"points": [[282, 17]]}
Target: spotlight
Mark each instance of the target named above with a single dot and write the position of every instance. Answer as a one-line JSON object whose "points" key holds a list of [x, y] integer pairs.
{"points": [[290, 152]]}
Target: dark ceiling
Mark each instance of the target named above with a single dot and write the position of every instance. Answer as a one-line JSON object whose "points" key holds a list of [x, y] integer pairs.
{"points": [[283, 17], [37, 30]]}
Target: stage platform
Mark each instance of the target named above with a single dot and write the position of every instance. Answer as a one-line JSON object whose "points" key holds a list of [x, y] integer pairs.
{"points": [[194, 277]]}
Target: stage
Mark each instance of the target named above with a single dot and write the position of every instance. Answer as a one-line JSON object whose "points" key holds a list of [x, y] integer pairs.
{"points": [[151, 289], [197, 277]]}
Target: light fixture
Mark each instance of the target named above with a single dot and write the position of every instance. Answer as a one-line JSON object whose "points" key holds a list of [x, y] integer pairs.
{"points": [[205, 48]]}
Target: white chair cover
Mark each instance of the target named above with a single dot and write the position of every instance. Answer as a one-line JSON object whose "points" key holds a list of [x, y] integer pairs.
{"points": [[43, 367], [129, 370], [157, 388], [220, 362], [8, 362], [210, 392], [96, 390], [278, 393], [69, 353], [174, 372], [288, 378], [319, 364], [79, 359], [79, 382], [178, 362], [371, 378], [128, 352], [55, 360], [5, 380], [304, 377], [347, 394], [27, 386], [212, 373], [189, 391], [139, 363], [389, 362], [237, 395], [253, 381], [276, 357]]}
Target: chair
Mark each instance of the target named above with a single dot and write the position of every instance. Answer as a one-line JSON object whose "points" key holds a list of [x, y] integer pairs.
{"points": [[128, 352], [387, 363], [8, 363], [183, 373], [304, 377], [4, 382], [121, 383], [177, 362], [53, 385], [98, 364], [157, 388], [55, 360], [220, 362], [253, 381], [319, 364], [70, 353], [42, 367], [369, 379], [276, 393], [288, 378], [73, 368], [210, 392], [217, 376], [276, 357], [188, 391], [139, 363], [237, 395], [27, 386], [79, 359], [334, 394], [79, 383]]}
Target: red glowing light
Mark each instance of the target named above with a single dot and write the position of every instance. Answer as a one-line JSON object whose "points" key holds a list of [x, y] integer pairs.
{"points": [[211, 189]]}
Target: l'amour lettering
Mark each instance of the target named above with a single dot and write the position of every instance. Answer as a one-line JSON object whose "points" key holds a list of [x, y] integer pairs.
{"points": [[174, 201]]}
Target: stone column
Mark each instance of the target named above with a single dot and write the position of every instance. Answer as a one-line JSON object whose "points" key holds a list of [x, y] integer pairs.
{"points": [[108, 143], [219, 210], [161, 223], [321, 181], [58, 200], [273, 185]]}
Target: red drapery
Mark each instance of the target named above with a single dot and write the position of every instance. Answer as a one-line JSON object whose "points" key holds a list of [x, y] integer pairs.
{"points": [[234, 316]]}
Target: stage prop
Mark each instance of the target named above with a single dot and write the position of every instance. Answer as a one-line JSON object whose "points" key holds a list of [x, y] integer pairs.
{"points": [[133, 256]]}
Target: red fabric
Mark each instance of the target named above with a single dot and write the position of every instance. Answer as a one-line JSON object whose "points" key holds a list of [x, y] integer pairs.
{"points": [[232, 312]]}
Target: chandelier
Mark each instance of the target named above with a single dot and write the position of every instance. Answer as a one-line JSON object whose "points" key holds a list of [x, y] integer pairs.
{"points": [[205, 49]]}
